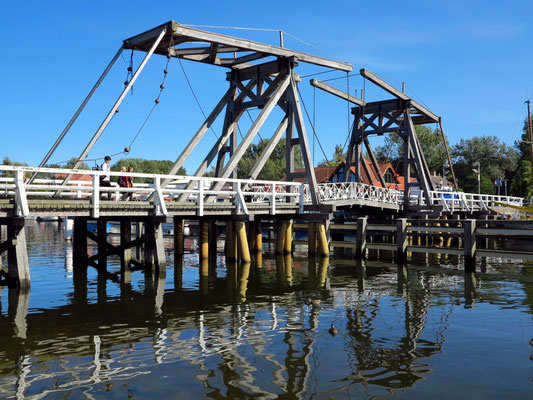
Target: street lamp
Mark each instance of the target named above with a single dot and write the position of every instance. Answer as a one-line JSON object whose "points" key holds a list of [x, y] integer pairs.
{"points": [[477, 170]]}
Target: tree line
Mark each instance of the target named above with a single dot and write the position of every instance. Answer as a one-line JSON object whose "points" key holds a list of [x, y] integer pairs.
{"points": [[497, 160]]}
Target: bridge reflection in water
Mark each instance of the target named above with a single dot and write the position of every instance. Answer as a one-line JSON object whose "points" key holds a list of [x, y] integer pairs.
{"points": [[236, 331]]}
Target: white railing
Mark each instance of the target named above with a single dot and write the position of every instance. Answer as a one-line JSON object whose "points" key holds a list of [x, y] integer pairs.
{"points": [[459, 201], [331, 192], [236, 193]]}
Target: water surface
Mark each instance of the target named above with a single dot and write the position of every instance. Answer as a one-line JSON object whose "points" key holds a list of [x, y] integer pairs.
{"points": [[428, 330]]}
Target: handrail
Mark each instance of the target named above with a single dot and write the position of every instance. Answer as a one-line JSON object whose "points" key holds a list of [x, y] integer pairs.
{"points": [[230, 194]]}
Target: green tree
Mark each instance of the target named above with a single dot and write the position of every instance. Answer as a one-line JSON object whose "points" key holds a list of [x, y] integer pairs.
{"points": [[7, 161], [430, 141], [274, 168], [146, 166], [521, 182], [338, 157], [496, 159]]}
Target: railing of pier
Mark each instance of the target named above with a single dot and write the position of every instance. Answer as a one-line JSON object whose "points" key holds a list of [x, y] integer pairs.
{"points": [[237, 193]]}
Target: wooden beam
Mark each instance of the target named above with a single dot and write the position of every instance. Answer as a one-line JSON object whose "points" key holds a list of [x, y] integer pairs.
{"points": [[198, 135], [336, 92], [395, 92]]}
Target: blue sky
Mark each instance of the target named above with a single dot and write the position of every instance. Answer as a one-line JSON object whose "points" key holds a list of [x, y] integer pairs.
{"points": [[468, 61]]}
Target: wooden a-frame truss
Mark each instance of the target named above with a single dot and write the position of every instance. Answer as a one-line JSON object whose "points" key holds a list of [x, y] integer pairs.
{"points": [[260, 76], [398, 115]]}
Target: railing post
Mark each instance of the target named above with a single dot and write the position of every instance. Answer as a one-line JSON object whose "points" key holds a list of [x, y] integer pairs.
{"points": [[273, 199], [360, 239], [200, 200], [96, 197], [21, 201], [470, 242], [401, 238]]}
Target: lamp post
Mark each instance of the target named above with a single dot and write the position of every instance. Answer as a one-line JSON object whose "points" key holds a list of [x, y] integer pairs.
{"points": [[477, 170]]}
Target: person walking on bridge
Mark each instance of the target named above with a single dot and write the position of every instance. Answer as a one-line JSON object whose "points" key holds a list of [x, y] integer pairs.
{"points": [[105, 180]]}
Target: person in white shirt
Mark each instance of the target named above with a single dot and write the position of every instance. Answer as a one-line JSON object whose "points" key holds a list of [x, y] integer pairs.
{"points": [[105, 180]]}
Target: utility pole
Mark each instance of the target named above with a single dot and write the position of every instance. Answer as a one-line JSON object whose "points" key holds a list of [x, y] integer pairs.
{"points": [[529, 128]]}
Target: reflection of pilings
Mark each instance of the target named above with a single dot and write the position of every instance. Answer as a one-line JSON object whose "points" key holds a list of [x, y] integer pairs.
{"points": [[178, 273], [402, 279], [155, 287], [470, 287], [18, 310], [244, 273], [287, 261], [323, 265], [231, 280], [360, 275], [204, 275]]}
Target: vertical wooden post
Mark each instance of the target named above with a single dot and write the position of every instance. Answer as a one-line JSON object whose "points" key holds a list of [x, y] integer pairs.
{"points": [[231, 242], [470, 243], [311, 238], [360, 238], [101, 228], [213, 238], [178, 237], [287, 246], [138, 234], [401, 238], [251, 236], [80, 242], [18, 267], [323, 243], [203, 239], [280, 237], [244, 250], [154, 250], [125, 254]]}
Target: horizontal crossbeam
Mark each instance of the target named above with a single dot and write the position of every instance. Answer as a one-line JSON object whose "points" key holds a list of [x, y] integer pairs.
{"points": [[182, 34]]}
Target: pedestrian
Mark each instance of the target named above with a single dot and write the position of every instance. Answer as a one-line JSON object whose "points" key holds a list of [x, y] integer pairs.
{"points": [[129, 183], [123, 181], [105, 180]]}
